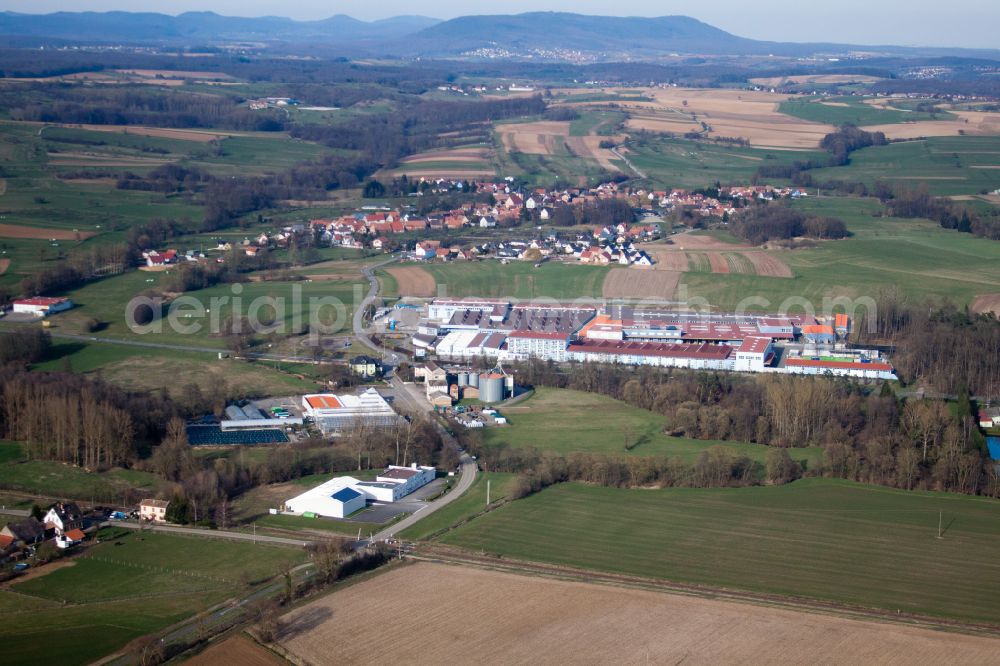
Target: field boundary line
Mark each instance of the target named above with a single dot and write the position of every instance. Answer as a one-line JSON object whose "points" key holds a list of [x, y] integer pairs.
{"points": [[446, 555]]}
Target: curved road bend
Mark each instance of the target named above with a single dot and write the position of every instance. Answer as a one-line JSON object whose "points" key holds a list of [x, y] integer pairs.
{"points": [[359, 312]]}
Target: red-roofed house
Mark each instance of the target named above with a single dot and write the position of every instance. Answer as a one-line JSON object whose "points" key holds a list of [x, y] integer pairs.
{"points": [[42, 305]]}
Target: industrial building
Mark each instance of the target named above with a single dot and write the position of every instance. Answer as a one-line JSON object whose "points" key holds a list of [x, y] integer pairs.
{"points": [[334, 414], [475, 328], [343, 495]]}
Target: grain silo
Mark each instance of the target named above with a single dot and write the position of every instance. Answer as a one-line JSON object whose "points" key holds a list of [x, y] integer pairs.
{"points": [[474, 379], [463, 379], [491, 387]]}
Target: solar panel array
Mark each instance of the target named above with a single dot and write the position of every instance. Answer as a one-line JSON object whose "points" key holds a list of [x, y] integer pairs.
{"points": [[214, 435]]}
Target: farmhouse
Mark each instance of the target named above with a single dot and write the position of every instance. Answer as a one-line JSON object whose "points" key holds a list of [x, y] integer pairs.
{"points": [[28, 531], [42, 306], [153, 510], [63, 517]]}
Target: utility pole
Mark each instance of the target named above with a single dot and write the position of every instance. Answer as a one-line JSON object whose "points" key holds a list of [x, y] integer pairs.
{"points": [[940, 518], [487, 492], [255, 532]]}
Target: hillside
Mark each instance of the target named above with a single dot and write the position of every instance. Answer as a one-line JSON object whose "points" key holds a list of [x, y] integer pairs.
{"points": [[560, 30], [140, 27]]}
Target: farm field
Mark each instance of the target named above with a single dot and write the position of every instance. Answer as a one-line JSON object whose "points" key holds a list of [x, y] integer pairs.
{"points": [[518, 279], [682, 163], [465, 507], [507, 618], [238, 649], [412, 281], [630, 283], [814, 538], [562, 421], [917, 256], [114, 593], [725, 113], [947, 165], [853, 110]]}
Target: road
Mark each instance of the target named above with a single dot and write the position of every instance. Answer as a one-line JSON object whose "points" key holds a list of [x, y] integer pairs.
{"points": [[468, 468], [359, 312], [211, 534], [627, 161]]}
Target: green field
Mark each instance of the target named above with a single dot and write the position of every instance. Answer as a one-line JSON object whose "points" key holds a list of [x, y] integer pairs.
{"points": [[106, 300], [143, 368], [816, 538], [565, 422], [681, 163], [919, 257], [468, 505], [596, 121], [947, 165], [58, 480], [115, 593], [518, 279], [856, 112]]}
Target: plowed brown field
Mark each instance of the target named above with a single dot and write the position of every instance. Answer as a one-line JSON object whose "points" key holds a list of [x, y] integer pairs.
{"points": [[768, 265], [413, 281], [636, 283], [448, 615], [22, 231]]}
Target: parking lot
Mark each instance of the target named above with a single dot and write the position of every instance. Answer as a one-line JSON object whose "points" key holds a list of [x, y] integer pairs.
{"points": [[381, 513], [292, 403]]}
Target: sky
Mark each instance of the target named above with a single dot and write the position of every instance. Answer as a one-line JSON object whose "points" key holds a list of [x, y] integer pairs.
{"points": [[965, 23]]}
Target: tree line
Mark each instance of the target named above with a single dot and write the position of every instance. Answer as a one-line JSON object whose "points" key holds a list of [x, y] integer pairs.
{"points": [[762, 223], [865, 435]]}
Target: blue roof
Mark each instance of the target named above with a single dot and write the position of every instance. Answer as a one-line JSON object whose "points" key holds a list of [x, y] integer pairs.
{"points": [[993, 444], [345, 494]]}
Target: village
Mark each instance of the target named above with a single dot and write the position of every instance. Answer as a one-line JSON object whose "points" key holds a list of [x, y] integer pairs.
{"points": [[502, 207]]}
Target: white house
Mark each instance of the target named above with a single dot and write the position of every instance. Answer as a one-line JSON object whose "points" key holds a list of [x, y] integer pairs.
{"points": [[153, 510], [63, 517]]}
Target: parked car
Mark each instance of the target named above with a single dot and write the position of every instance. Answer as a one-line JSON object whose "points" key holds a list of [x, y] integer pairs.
{"points": [[21, 566]]}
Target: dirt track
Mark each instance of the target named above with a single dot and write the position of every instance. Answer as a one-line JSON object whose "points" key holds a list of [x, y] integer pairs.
{"points": [[449, 613]]}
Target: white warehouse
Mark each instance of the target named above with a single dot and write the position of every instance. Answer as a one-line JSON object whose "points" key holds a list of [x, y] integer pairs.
{"points": [[343, 495]]}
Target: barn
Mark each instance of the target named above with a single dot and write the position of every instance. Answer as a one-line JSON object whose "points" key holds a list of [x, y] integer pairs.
{"points": [[42, 306]]}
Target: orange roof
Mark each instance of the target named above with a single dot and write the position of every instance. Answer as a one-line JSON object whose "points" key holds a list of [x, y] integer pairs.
{"points": [[820, 329], [75, 535], [324, 402], [5, 541]]}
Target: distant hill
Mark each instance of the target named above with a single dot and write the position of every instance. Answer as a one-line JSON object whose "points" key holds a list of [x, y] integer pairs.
{"points": [[201, 27], [539, 35], [559, 30]]}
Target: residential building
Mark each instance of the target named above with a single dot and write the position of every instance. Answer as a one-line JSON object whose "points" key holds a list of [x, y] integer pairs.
{"points": [[154, 510]]}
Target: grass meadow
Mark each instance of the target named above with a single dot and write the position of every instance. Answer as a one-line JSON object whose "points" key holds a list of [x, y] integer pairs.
{"points": [[564, 422], [114, 593], [816, 538]]}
